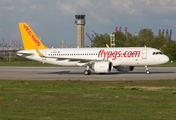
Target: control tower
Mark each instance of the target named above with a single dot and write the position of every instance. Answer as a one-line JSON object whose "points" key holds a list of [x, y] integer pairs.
{"points": [[80, 22]]}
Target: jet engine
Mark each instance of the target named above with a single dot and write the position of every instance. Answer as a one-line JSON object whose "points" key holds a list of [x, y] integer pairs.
{"points": [[102, 67], [124, 68]]}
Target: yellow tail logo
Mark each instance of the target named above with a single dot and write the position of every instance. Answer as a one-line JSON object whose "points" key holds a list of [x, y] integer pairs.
{"points": [[30, 40]]}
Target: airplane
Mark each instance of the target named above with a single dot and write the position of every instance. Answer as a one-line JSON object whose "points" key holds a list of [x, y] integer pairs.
{"points": [[101, 60]]}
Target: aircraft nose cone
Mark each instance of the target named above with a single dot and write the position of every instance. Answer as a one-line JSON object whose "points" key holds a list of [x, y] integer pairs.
{"points": [[166, 59]]}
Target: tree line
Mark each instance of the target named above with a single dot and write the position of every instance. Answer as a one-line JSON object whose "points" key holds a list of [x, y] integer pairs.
{"points": [[145, 38]]}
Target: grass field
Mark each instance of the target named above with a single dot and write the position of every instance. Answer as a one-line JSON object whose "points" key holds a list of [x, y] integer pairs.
{"points": [[168, 64], [25, 63], [35, 63], [83, 100]]}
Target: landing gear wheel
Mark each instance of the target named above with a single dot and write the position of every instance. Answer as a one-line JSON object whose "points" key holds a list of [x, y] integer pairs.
{"points": [[147, 72], [87, 72]]}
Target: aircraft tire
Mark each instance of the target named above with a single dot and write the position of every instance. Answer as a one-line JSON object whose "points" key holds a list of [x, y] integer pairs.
{"points": [[86, 72], [147, 72], [89, 72]]}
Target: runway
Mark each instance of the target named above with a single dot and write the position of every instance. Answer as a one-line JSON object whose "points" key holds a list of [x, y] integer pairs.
{"points": [[76, 73]]}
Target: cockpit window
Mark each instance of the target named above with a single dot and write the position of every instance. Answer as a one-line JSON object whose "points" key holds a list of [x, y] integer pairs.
{"points": [[157, 53]]}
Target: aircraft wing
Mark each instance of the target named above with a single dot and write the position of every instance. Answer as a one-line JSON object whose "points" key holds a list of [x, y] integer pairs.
{"points": [[81, 60]]}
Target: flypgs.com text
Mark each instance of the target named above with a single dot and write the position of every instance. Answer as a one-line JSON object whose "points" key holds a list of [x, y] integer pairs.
{"points": [[116, 54]]}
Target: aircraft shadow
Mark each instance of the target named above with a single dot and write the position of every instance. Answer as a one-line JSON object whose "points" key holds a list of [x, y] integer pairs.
{"points": [[111, 73]]}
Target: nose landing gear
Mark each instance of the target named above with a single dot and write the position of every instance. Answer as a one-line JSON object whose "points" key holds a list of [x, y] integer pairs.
{"points": [[147, 70]]}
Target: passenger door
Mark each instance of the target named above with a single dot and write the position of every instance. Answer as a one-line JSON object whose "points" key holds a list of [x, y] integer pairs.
{"points": [[144, 54]]}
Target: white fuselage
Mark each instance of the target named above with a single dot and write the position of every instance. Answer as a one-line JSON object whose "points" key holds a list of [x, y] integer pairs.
{"points": [[120, 56]]}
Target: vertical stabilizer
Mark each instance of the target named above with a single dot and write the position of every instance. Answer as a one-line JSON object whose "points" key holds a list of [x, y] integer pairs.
{"points": [[30, 40]]}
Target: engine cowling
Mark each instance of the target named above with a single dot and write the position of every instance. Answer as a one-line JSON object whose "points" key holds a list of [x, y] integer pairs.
{"points": [[102, 67], [124, 68]]}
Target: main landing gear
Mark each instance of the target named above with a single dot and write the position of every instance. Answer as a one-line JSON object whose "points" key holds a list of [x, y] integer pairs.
{"points": [[87, 72], [147, 70]]}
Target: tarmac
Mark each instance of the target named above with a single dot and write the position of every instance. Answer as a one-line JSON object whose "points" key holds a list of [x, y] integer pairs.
{"points": [[77, 73]]}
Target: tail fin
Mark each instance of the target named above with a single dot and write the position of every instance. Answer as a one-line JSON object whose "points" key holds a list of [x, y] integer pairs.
{"points": [[30, 40]]}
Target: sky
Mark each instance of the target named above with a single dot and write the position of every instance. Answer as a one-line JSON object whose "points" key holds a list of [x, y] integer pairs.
{"points": [[55, 19]]}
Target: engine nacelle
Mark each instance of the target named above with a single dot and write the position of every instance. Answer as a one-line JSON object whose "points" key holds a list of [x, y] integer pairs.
{"points": [[102, 67], [124, 68]]}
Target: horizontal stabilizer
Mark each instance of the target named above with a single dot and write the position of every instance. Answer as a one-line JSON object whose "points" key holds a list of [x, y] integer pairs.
{"points": [[24, 53]]}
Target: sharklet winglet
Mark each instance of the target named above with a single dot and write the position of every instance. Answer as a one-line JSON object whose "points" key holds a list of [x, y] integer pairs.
{"points": [[38, 52]]}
